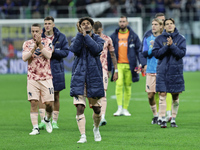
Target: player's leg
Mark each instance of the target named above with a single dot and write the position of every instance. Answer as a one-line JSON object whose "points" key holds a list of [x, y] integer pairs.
{"points": [[151, 89], [47, 97], [119, 89], [169, 106], [175, 106], [127, 90], [56, 109], [152, 104], [162, 109], [42, 124], [104, 100], [96, 106], [80, 103], [34, 117], [103, 110], [156, 97], [33, 97]]}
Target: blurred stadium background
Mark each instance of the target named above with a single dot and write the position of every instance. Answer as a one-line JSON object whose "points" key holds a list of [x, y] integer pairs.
{"points": [[16, 16]]}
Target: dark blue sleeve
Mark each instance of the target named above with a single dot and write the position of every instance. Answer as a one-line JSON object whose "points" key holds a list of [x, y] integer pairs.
{"points": [[159, 50], [95, 46], [63, 52], [179, 50], [76, 44]]}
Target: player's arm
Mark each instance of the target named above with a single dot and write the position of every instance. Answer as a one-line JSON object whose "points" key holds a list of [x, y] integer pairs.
{"points": [[47, 50], [64, 49], [113, 58], [145, 48], [178, 51], [27, 53], [159, 50]]}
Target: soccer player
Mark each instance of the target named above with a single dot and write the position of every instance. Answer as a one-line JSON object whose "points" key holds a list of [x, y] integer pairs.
{"points": [[148, 34], [38, 52], [169, 48], [127, 45], [60, 46], [87, 76], [157, 28], [108, 47]]}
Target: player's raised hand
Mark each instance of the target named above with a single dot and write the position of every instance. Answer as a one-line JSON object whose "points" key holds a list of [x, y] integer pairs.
{"points": [[169, 41]]}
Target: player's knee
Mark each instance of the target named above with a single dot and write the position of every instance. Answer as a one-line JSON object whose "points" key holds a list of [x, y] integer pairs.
{"points": [[49, 105], [56, 96], [151, 95], [162, 94], [97, 109], [34, 103], [80, 109]]}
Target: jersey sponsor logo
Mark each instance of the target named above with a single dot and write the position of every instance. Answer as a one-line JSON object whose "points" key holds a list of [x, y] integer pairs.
{"points": [[123, 44]]}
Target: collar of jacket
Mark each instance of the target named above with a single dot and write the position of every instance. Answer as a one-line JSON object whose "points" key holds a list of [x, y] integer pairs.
{"points": [[171, 34]]}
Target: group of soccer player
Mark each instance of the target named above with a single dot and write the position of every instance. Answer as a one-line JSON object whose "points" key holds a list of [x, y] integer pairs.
{"points": [[160, 55]]}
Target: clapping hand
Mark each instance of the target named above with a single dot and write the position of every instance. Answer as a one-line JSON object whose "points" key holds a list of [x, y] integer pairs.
{"points": [[169, 41]]}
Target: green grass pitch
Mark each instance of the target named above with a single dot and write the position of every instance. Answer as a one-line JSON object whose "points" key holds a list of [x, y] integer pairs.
{"points": [[120, 133]]}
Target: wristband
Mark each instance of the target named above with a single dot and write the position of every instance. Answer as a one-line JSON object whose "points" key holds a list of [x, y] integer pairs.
{"points": [[116, 70]]}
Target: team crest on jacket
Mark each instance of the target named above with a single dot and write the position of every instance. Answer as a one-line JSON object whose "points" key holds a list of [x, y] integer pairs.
{"points": [[164, 43], [132, 45]]}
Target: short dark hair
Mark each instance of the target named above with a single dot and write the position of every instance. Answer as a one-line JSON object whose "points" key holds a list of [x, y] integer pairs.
{"points": [[86, 18], [169, 19], [97, 25], [123, 16], [49, 18], [159, 15], [36, 25]]}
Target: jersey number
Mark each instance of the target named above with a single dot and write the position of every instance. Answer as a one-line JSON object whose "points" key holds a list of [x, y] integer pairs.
{"points": [[51, 91]]}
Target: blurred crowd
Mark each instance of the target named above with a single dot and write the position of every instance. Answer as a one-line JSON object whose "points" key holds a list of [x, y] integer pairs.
{"points": [[10, 9]]}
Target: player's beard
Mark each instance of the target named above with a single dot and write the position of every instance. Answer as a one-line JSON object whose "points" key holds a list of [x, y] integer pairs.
{"points": [[88, 32], [123, 28]]}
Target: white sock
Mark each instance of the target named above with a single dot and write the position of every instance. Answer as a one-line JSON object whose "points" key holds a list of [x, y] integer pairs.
{"points": [[163, 119], [120, 107], [169, 113], [54, 121], [173, 120], [102, 116], [35, 126]]}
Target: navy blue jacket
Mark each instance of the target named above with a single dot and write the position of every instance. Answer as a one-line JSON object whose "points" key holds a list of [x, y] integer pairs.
{"points": [[169, 76], [134, 53], [87, 68], [61, 48]]}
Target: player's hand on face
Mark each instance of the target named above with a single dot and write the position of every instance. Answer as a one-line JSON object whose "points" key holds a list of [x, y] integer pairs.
{"points": [[38, 39], [83, 31], [79, 28]]}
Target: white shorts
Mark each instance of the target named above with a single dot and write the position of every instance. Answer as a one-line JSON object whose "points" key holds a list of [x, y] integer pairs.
{"points": [[151, 83], [81, 99], [40, 88]]}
